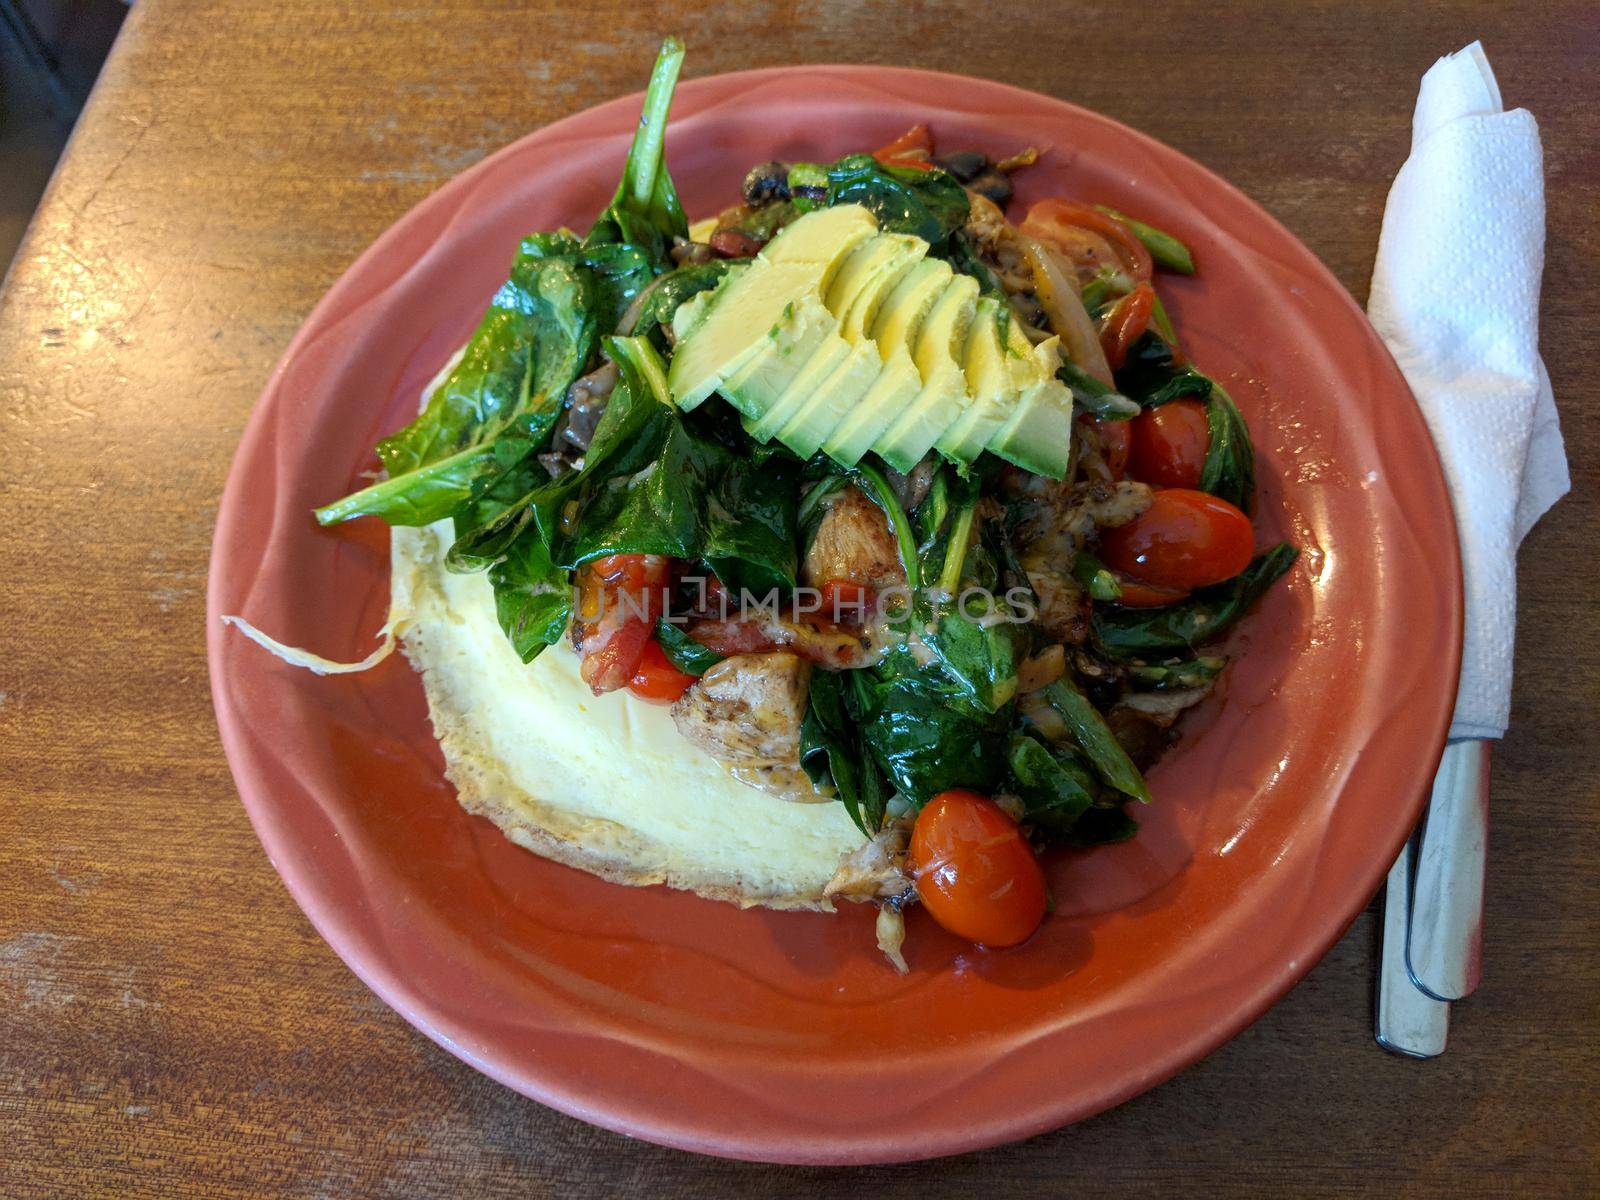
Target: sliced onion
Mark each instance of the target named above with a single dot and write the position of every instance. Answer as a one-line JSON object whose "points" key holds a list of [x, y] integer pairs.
{"points": [[1063, 305]]}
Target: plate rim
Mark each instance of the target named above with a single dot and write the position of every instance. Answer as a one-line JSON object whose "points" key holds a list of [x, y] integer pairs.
{"points": [[1040, 1114]]}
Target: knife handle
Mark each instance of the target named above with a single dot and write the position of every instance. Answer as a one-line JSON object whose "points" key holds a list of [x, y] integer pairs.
{"points": [[1409, 1021], [1444, 948]]}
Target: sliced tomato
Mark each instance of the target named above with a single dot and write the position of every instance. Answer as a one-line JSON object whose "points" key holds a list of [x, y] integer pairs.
{"points": [[655, 678], [1090, 238], [1125, 323], [1186, 539], [975, 872], [913, 148], [1146, 595], [1170, 443]]}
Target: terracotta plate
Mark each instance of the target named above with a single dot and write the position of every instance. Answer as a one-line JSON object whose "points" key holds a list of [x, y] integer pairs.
{"points": [[784, 1036]]}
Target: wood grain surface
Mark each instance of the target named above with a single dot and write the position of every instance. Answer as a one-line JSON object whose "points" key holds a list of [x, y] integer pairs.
{"points": [[169, 1023]]}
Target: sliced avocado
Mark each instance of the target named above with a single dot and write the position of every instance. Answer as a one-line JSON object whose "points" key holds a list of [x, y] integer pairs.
{"points": [[901, 312], [857, 305], [1038, 436], [805, 329], [992, 390], [770, 409], [825, 237], [940, 344], [717, 336], [855, 298], [835, 398], [744, 314], [897, 385]]}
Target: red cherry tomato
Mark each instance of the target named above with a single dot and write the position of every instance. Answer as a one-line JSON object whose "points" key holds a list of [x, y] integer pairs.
{"points": [[1185, 539], [975, 871], [1091, 239], [655, 678], [1170, 444], [1116, 442], [1125, 323], [1144, 595]]}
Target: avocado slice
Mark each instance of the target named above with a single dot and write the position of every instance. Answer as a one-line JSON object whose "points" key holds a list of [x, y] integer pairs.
{"points": [[940, 344], [897, 385], [858, 290], [834, 399], [770, 412], [719, 335], [1038, 436], [804, 331], [992, 386], [857, 306]]}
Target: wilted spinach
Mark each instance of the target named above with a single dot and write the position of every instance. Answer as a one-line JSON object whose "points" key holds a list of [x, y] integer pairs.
{"points": [[1055, 786], [929, 204], [1153, 375], [834, 752], [1230, 467], [682, 651], [645, 210]]}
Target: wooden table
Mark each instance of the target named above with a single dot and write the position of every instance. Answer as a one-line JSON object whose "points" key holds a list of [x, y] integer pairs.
{"points": [[169, 1023]]}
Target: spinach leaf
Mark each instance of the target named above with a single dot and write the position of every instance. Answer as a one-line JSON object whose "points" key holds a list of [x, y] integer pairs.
{"points": [[511, 382], [929, 204], [652, 484], [1055, 786], [669, 291], [645, 211], [1230, 466], [1151, 376], [619, 273], [1155, 634], [926, 734], [532, 596], [970, 629], [833, 752], [1094, 737], [1100, 583], [682, 651]]}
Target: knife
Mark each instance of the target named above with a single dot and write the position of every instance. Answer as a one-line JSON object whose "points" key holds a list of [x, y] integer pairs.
{"points": [[1444, 942], [1409, 1021]]}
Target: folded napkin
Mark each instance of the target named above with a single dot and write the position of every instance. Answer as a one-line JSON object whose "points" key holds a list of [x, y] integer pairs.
{"points": [[1455, 295]]}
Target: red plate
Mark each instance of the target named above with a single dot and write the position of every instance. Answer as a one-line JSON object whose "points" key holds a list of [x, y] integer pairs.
{"points": [[784, 1036]]}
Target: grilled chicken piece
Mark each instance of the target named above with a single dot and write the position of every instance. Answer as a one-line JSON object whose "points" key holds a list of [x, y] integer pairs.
{"points": [[786, 783], [853, 542], [747, 710]]}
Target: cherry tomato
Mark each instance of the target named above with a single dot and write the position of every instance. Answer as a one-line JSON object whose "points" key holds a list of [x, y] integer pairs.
{"points": [[655, 678], [1144, 595], [1170, 444], [1125, 323], [1185, 539], [1116, 441], [975, 871], [1090, 238], [913, 148]]}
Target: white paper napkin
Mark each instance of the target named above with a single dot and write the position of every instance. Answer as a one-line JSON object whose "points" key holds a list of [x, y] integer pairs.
{"points": [[1455, 294]]}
